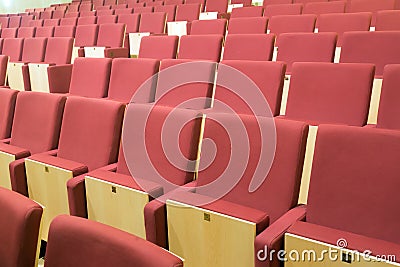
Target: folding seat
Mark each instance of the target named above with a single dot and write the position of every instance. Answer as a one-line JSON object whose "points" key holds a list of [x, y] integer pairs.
{"points": [[105, 12], [54, 74], [168, 9], [4, 22], [185, 14], [26, 32], [68, 21], [46, 15], [15, 22], [254, 11], [277, 2], [85, 35], [201, 2], [25, 20], [212, 26], [82, 81], [65, 31], [7, 104], [306, 47], [158, 47], [123, 11], [20, 224], [387, 20], [87, 20], [110, 42], [47, 31], [72, 15], [220, 6], [102, 8], [267, 78], [173, 2], [51, 22], [123, 87], [17, 71], [154, 4], [84, 7], [119, 6], [341, 23], [32, 111], [133, 4], [248, 25], [80, 234], [319, 8], [107, 19], [36, 23], [49, 173], [131, 21], [251, 212], [370, 6], [291, 23], [87, 13], [12, 47], [9, 33], [140, 10], [345, 182], [201, 47], [110, 2], [58, 14], [73, 9], [190, 123], [379, 48], [257, 47], [62, 8], [283, 9]]}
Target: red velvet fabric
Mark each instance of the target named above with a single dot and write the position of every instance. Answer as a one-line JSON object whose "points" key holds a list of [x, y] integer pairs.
{"points": [[12, 47], [152, 22], [291, 23], [59, 50], [95, 244], [158, 47], [86, 35], [26, 32], [107, 19], [168, 9], [68, 21], [257, 25], [111, 35], [7, 105], [51, 22], [9, 33], [258, 47], [65, 31], [255, 11], [219, 6], [87, 19], [45, 31], [201, 47], [188, 12], [18, 152], [388, 20], [203, 27], [319, 8], [131, 21], [370, 6], [282, 9]]}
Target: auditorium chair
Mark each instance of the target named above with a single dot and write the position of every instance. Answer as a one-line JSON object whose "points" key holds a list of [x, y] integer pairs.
{"points": [[258, 47], [25, 20], [4, 22], [319, 8], [90, 244], [33, 110], [12, 47], [123, 11], [236, 220], [87, 13], [15, 22], [87, 191], [201, 2], [7, 105], [65, 31], [18, 73], [134, 3], [83, 7], [141, 10], [85, 35], [354, 172], [3, 70], [72, 15], [282, 9], [86, 20], [110, 19], [245, 3], [220, 6], [48, 173], [168, 9], [72, 9], [26, 32], [256, 25], [200, 47], [119, 6], [46, 15], [158, 47], [184, 16], [51, 22], [173, 2], [105, 12], [154, 4], [58, 14], [387, 20], [212, 26], [20, 224], [9, 33], [36, 23], [44, 32], [54, 74], [370, 6], [247, 11]]}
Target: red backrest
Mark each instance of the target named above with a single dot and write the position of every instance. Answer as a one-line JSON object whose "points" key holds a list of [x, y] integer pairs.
{"points": [[102, 133], [4, 22], [168, 9], [370, 6], [319, 8], [201, 2], [173, 2], [105, 12], [254, 11], [277, 2], [59, 50], [12, 47], [123, 11], [291, 23], [249, 47], [308, 1], [58, 14], [111, 35], [131, 21], [244, 2], [71, 15], [3, 72], [51, 22], [330, 93], [34, 49], [14, 22], [248, 25], [147, 9], [86, 20], [65, 31], [187, 12], [213, 26], [158, 47], [86, 35], [388, 20], [283, 9], [107, 19], [201, 47], [37, 121], [46, 14], [220, 6], [84, 7], [7, 104], [25, 20], [45, 31], [9, 33], [153, 22]]}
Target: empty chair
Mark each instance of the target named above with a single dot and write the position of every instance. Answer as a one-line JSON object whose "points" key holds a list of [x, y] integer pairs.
{"points": [[187, 12], [3, 70], [119, 6], [25, 20], [44, 31], [249, 47], [15, 22], [110, 2], [46, 15], [7, 101], [54, 74], [58, 14], [71, 15], [201, 2], [72, 9], [154, 4], [291, 23], [254, 11], [158, 47], [32, 110], [85, 35], [388, 20], [309, 1], [277, 2], [131, 21], [12, 47], [306, 47], [168, 9], [139, 10], [133, 4], [79, 234], [20, 224], [245, 3], [86, 20], [107, 19], [153, 22], [82, 81], [173, 2], [84, 7], [367, 165], [220, 6], [370, 6], [51, 22], [18, 72], [65, 31], [9, 33], [341, 23], [123, 86], [319, 8], [123, 11], [105, 12], [212, 26], [247, 211], [4, 22], [200, 47], [283, 9], [267, 76], [248, 25]]}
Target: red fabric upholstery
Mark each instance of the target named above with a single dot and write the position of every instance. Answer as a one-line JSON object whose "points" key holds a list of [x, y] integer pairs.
{"points": [[108, 19], [12, 47], [200, 47], [219, 6], [122, 87], [88, 20], [354, 172], [131, 21], [46, 15], [330, 93], [173, 2], [20, 222], [201, 2], [90, 77], [51, 22], [168, 9], [7, 104], [65, 31], [213, 26], [345, 22], [142, 10], [9, 33], [18, 152], [14, 22], [388, 20], [101, 133], [158, 47], [102, 13], [36, 23], [306, 47], [267, 76], [153, 22], [291, 23], [88, 13], [47, 31], [4, 22], [25, 20], [53, 48], [188, 12], [378, 48], [319, 7], [258, 47], [248, 25], [308, 1], [34, 49], [90, 243], [388, 107], [244, 2], [370, 6], [71, 14], [111, 35], [284, 175], [123, 11], [86, 35], [84, 7], [26, 32], [168, 94], [3, 69], [283, 9], [58, 14], [255, 11], [68, 21]]}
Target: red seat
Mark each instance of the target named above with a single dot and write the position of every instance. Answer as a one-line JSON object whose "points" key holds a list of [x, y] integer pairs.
{"points": [[15, 22], [201, 47], [7, 101], [26, 32], [9, 33], [220, 6], [248, 25], [123, 11], [370, 6], [153, 22], [47, 31], [65, 31], [158, 47], [188, 12], [283, 9], [254, 11], [12, 47], [258, 47], [168, 9], [276, 2], [51, 22], [213, 26], [388, 20]]}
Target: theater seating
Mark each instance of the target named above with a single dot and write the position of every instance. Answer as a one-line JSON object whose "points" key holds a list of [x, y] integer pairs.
{"points": [[7, 101], [248, 25], [256, 11], [65, 31], [168, 9], [387, 20], [45, 32], [200, 47], [212, 26], [370, 6], [20, 223], [253, 212], [48, 173], [68, 22], [87, 20], [12, 47], [283, 9], [158, 47], [85, 35], [249, 47], [319, 8], [276, 2], [220, 6], [3, 69], [184, 16], [90, 242], [26, 32], [9, 33]]}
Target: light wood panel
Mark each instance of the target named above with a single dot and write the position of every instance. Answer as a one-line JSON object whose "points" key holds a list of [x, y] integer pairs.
{"points": [[15, 76], [5, 160], [39, 77]]}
